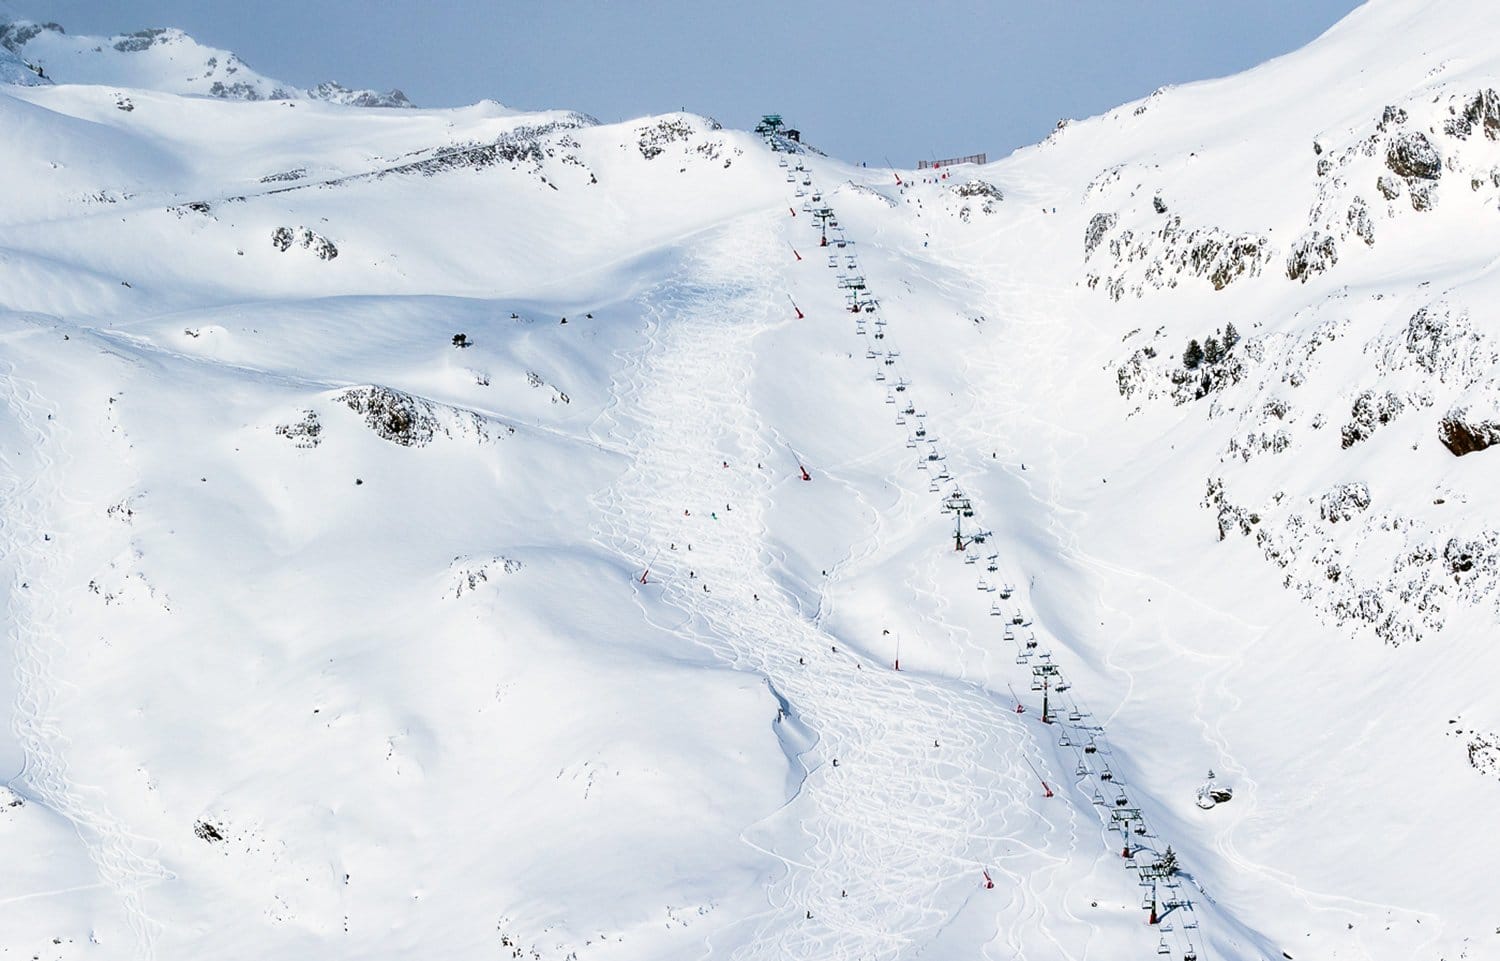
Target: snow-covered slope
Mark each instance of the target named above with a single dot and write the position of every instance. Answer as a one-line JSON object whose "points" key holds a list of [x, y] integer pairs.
{"points": [[167, 60], [408, 549]]}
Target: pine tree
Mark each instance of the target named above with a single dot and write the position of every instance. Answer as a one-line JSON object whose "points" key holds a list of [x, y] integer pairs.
{"points": [[1212, 351], [1193, 356], [1168, 863], [1231, 337]]}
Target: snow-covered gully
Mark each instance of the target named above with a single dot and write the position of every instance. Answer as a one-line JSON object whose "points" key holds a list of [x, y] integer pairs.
{"points": [[899, 819]]}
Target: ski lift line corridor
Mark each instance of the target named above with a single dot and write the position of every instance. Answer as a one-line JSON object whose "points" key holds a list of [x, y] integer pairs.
{"points": [[1155, 869], [887, 838]]}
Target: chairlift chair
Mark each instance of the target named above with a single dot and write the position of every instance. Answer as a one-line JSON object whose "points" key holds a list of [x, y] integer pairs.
{"points": [[1106, 774], [1022, 659], [1082, 772], [1009, 634], [921, 432], [1063, 740], [994, 610], [880, 376], [1005, 592], [1091, 747], [1075, 715]]}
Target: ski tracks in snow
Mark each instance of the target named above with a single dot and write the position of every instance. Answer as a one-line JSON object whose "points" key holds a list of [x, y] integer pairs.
{"points": [[30, 497], [915, 784]]}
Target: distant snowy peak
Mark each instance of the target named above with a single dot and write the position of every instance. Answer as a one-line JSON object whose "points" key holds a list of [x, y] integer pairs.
{"points": [[158, 59]]}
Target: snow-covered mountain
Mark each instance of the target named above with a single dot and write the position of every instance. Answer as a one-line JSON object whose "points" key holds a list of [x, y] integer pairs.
{"points": [[481, 534], [165, 60]]}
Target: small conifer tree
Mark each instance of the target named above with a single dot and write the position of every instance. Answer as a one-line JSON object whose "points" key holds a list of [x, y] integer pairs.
{"points": [[1193, 356]]}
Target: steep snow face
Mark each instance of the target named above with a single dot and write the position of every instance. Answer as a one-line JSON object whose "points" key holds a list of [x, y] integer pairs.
{"points": [[14, 70], [168, 60], [407, 549]]}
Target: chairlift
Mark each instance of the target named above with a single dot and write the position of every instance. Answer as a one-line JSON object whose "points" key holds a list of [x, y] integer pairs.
{"points": [[1082, 772], [1005, 592], [922, 432], [994, 610], [807, 181], [1063, 685], [1106, 774], [781, 162], [934, 488], [900, 421], [1022, 659], [1030, 642], [1036, 684], [833, 260], [1162, 947], [1122, 801], [1018, 619], [870, 354], [1063, 741], [1091, 747], [968, 559], [817, 197], [1075, 715], [908, 409], [980, 585], [880, 376], [1009, 635]]}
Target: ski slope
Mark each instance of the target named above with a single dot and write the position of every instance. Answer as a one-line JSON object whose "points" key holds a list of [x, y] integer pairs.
{"points": [[330, 636]]}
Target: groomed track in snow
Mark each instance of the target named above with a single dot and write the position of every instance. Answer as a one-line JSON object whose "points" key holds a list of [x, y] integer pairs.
{"points": [[34, 496]]}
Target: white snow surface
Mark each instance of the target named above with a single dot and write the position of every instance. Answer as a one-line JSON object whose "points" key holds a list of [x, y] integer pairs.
{"points": [[330, 637]]}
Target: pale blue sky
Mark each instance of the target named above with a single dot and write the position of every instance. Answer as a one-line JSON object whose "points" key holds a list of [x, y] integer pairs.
{"points": [[863, 80]]}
